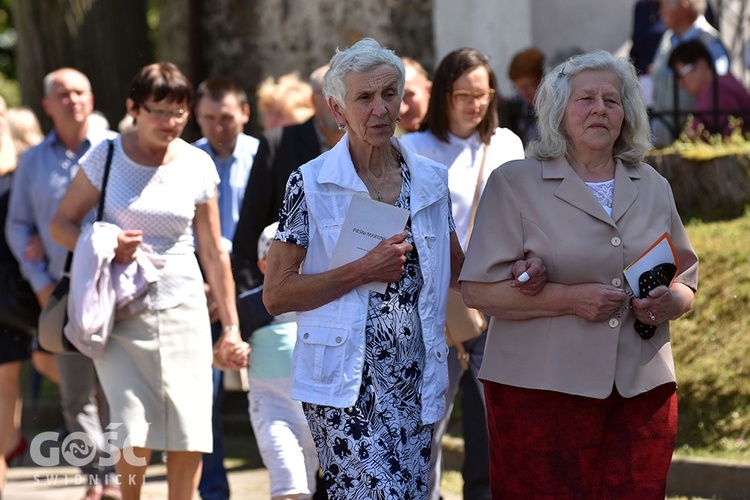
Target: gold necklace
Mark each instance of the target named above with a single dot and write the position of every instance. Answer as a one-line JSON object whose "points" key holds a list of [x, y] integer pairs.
{"points": [[380, 195], [385, 177]]}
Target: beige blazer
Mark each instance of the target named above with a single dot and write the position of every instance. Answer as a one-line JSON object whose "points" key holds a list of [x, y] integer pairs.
{"points": [[532, 208]]}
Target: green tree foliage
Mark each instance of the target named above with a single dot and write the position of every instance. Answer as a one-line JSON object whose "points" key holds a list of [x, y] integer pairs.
{"points": [[8, 39], [9, 88], [105, 39]]}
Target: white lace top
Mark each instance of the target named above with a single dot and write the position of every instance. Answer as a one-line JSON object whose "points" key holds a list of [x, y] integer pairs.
{"points": [[161, 202], [604, 192]]}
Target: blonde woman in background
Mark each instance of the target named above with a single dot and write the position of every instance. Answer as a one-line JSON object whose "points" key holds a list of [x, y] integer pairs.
{"points": [[286, 102], [24, 129], [14, 346], [19, 129], [26, 132]]}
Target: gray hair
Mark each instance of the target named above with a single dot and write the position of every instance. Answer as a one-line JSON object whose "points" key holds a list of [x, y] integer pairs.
{"points": [[51, 78], [554, 93], [316, 78], [362, 57], [695, 6]]}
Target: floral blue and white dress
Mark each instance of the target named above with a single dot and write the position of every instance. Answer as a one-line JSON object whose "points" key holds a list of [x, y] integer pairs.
{"points": [[379, 447]]}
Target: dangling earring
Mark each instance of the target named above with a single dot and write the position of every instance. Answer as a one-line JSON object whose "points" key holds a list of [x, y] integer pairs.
{"points": [[398, 119], [341, 126]]}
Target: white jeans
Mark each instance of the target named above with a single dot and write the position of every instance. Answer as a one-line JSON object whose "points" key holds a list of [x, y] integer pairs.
{"points": [[284, 440], [475, 348]]}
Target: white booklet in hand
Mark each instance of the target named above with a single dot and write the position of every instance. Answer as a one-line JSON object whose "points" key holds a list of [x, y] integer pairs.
{"points": [[367, 223], [662, 251]]}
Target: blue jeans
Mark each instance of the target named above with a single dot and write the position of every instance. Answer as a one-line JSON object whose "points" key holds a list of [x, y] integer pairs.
{"points": [[214, 484]]}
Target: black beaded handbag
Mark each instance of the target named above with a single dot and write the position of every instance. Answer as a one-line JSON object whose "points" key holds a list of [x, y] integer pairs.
{"points": [[663, 274]]}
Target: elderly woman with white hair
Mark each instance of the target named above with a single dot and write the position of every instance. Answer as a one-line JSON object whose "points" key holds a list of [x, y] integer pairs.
{"points": [[369, 367], [579, 379]]}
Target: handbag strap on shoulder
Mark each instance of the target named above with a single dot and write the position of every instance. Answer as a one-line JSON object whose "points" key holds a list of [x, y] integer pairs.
{"points": [[464, 356], [100, 209], [477, 192], [107, 165]]}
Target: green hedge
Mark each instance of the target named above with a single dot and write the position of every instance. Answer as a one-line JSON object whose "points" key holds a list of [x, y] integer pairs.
{"points": [[712, 343]]}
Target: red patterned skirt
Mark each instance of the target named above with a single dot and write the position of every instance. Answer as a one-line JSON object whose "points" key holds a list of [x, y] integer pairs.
{"points": [[546, 444]]}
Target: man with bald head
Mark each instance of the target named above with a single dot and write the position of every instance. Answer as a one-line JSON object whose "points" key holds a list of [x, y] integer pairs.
{"points": [[42, 177], [685, 21]]}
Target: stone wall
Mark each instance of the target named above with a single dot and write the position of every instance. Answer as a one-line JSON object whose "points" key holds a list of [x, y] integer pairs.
{"points": [[251, 41]]}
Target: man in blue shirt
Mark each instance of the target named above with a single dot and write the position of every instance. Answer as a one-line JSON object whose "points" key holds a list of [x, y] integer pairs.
{"points": [[222, 110], [42, 177], [281, 150]]}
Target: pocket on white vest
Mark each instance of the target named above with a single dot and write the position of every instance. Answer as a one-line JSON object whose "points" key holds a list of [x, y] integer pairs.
{"points": [[320, 353]]}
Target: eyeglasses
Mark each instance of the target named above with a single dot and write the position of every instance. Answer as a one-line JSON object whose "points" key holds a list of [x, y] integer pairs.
{"points": [[467, 96], [685, 70], [165, 114]]}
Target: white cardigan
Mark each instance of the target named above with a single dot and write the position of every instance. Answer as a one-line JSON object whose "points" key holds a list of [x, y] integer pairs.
{"points": [[101, 289]]}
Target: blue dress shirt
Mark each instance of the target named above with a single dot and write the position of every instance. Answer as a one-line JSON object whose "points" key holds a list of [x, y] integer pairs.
{"points": [[233, 174], [42, 177]]}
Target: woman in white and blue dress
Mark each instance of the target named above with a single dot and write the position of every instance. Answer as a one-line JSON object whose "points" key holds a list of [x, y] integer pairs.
{"points": [[370, 368]]}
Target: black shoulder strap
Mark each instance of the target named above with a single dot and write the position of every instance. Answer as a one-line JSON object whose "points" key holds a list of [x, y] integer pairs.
{"points": [[100, 209], [102, 194]]}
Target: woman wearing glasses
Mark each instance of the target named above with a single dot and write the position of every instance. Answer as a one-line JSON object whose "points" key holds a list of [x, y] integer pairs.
{"points": [[156, 366], [461, 131]]}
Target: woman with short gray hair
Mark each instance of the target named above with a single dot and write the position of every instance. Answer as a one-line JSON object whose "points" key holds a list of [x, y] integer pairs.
{"points": [[369, 366]]}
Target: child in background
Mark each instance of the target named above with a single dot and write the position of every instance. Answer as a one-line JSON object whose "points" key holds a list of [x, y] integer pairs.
{"points": [[284, 440]]}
